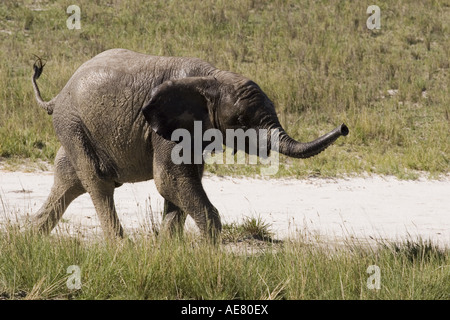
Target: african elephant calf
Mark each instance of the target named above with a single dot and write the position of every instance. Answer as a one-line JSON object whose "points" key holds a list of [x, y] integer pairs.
{"points": [[114, 119]]}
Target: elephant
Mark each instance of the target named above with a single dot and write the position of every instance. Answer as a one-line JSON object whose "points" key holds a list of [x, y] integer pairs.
{"points": [[114, 119]]}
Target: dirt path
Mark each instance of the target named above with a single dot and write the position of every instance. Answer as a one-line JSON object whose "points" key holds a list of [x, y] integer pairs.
{"points": [[363, 208]]}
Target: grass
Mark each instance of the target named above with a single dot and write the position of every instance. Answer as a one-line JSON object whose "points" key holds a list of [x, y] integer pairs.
{"points": [[151, 267], [249, 228], [319, 64], [316, 60]]}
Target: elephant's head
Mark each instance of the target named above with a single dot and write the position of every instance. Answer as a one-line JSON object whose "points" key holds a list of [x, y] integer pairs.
{"points": [[225, 101]]}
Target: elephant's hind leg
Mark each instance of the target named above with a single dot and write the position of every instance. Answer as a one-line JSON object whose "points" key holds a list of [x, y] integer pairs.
{"points": [[66, 187], [94, 169]]}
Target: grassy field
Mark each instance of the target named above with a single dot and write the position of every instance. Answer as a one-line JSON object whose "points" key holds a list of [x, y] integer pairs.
{"points": [[151, 267], [316, 60], [319, 64]]}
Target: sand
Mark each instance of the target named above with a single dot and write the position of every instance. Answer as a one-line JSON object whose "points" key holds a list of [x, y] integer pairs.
{"points": [[363, 208]]}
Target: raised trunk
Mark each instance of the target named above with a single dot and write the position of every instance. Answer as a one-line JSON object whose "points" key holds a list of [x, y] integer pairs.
{"points": [[295, 149]]}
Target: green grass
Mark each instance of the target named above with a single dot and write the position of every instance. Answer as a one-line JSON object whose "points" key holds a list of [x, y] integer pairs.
{"points": [[150, 267], [250, 228], [319, 64], [316, 60]]}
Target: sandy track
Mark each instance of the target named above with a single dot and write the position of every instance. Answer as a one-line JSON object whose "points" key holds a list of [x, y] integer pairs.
{"points": [[363, 208]]}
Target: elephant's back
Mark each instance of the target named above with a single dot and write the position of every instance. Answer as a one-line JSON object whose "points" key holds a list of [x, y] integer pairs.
{"points": [[122, 60], [160, 67], [111, 88]]}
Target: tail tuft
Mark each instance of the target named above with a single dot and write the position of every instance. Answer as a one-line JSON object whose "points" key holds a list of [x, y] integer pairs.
{"points": [[38, 67]]}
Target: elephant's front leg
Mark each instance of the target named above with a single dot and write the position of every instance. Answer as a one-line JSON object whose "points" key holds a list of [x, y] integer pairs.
{"points": [[173, 219], [181, 185], [191, 198]]}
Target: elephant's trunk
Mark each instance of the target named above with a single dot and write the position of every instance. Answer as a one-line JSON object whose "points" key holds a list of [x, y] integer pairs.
{"points": [[296, 149]]}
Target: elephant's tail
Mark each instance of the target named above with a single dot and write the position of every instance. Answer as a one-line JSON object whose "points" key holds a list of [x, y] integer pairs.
{"points": [[47, 105]]}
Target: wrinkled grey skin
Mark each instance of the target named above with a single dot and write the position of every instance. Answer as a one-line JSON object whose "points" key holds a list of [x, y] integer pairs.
{"points": [[114, 119]]}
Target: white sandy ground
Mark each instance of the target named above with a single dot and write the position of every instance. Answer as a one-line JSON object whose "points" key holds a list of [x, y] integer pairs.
{"points": [[361, 208]]}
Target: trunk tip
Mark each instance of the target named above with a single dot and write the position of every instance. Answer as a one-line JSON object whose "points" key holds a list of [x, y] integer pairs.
{"points": [[344, 130]]}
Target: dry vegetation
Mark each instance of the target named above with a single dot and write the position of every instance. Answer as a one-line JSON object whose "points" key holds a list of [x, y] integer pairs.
{"points": [[317, 61]]}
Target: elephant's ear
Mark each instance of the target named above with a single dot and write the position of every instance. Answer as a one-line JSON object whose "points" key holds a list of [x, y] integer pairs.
{"points": [[176, 104]]}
